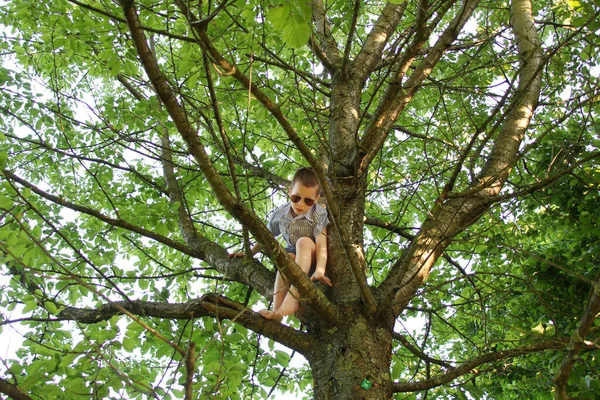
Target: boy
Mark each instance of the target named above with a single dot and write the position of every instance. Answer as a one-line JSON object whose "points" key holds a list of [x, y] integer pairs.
{"points": [[303, 224]]}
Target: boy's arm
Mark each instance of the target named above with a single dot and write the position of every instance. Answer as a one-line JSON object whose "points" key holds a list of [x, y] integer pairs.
{"points": [[321, 256]]}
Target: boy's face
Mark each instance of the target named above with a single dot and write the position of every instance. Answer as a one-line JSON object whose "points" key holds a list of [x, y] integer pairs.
{"points": [[306, 193]]}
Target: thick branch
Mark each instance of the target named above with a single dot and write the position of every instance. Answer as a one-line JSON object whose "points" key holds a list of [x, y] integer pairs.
{"points": [[248, 272], [398, 95], [207, 306], [450, 217], [247, 217], [504, 152], [326, 49], [12, 391], [370, 55]]}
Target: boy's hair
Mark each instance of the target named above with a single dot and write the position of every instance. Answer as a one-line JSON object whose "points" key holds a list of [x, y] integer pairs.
{"points": [[307, 177]]}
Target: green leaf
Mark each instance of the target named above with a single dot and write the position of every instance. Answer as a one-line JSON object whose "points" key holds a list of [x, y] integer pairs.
{"points": [[282, 358], [51, 307], [3, 159], [129, 343], [6, 203], [292, 23], [30, 305]]}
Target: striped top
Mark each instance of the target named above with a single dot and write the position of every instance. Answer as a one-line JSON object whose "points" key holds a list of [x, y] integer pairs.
{"points": [[310, 224]]}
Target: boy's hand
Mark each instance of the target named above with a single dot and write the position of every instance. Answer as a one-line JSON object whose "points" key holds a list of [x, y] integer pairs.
{"points": [[319, 276], [237, 254]]}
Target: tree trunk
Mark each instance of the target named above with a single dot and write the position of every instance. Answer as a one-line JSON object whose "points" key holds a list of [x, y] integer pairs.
{"points": [[352, 361], [348, 190]]}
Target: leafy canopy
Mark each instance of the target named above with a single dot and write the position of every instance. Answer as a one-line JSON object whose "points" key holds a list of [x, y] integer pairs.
{"points": [[88, 215]]}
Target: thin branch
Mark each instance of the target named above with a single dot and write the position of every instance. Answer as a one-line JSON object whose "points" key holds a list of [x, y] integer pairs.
{"points": [[350, 36], [538, 185], [190, 367], [417, 352], [94, 213], [577, 341], [471, 366], [281, 374], [45, 146], [309, 78], [403, 232], [80, 281], [122, 20], [176, 195], [134, 92]]}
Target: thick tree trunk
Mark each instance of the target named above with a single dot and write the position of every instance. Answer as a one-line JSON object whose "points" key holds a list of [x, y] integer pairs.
{"points": [[348, 190], [352, 361]]}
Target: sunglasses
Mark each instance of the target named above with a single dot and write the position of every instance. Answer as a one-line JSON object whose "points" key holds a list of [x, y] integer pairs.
{"points": [[295, 199]]}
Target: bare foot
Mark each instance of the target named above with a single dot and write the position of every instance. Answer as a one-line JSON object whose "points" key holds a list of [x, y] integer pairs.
{"points": [[268, 314]]}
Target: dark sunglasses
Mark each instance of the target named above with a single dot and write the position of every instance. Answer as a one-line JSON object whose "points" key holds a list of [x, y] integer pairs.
{"points": [[295, 198]]}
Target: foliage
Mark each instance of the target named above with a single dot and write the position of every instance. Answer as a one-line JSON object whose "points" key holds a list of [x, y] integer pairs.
{"points": [[90, 217]]}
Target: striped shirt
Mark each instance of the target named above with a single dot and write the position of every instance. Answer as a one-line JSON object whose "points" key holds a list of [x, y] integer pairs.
{"points": [[310, 224]]}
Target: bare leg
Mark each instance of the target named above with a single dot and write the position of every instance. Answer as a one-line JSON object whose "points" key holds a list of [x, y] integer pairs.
{"points": [[281, 289], [285, 301]]}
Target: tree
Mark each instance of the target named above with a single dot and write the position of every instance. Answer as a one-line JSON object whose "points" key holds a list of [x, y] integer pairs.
{"points": [[456, 143]]}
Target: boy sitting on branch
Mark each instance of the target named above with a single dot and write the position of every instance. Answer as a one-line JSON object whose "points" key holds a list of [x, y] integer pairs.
{"points": [[303, 225]]}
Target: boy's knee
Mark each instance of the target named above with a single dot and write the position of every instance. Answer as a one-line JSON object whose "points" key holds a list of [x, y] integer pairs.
{"points": [[305, 243]]}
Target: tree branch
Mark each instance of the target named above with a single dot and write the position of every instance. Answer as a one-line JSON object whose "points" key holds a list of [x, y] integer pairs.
{"points": [[448, 218], [417, 352], [119, 19], [398, 95], [238, 210], [538, 185], [12, 391], [378, 38], [186, 226], [325, 48], [577, 341], [146, 179], [190, 367], [505, 149], [470, 366], [350, 36], [210, 305], [403, 232], [248, 272]]}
